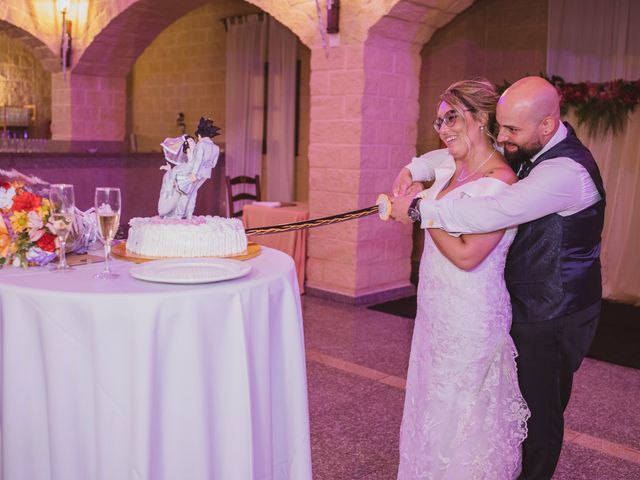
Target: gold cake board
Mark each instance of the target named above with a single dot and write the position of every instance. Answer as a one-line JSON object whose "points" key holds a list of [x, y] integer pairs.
{"points": [[120, 251]]}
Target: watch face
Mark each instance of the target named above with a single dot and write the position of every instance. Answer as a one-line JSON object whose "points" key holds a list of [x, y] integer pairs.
{"points": [[414, 211]]}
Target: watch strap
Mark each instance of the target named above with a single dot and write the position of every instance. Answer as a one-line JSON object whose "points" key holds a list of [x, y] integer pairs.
{"points": [[414, 209]]}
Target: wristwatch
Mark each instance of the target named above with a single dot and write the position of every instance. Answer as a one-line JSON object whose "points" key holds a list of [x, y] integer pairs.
{"points": [[414, 210]]}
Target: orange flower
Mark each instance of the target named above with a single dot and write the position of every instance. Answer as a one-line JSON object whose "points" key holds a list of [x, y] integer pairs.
{"points": [[5, 239]]}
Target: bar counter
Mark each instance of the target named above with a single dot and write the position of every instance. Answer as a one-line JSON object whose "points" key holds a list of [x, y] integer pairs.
{"points": [[138, 176]]}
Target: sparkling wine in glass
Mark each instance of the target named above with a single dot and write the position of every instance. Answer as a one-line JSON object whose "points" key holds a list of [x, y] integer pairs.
{"points": [[107, 206], [61, 215]]}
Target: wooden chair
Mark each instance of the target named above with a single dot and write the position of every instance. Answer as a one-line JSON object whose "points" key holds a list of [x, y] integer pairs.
{"points": [[232, 199]]}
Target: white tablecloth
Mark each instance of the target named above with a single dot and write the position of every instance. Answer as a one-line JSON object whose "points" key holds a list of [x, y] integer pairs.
{"points": [[127, 379]]}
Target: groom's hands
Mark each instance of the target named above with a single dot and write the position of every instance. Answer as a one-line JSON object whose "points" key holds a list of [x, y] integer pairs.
{"points": [[400, 206], [403, 191]]}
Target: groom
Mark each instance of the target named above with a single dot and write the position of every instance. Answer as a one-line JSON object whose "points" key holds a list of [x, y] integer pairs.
{"points": [[205, 158], [553, 266]]}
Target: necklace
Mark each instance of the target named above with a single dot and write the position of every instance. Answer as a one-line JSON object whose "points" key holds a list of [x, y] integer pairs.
{"points": [[462, 179]]}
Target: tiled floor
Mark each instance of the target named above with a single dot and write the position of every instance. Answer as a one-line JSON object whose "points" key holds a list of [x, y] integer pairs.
{"points": [[356, 365]]}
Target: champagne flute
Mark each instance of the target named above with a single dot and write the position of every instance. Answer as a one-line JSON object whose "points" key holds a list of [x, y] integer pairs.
{"points": [[107, 203], [61, 215]]}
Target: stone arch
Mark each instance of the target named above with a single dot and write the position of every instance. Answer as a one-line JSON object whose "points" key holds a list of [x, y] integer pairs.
{"points": [[116, 46], [112, 47], [49, 60], [414, 21]]}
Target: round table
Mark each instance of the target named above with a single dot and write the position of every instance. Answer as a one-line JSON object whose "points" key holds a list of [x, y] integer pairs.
{"points": [[125, 379]]}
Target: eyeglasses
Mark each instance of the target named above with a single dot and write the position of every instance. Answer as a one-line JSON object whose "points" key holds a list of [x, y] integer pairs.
{"points": [[449, 119]]}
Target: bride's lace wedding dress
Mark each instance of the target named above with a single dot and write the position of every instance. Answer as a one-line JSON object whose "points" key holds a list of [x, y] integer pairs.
{"points": [[464, 417]]}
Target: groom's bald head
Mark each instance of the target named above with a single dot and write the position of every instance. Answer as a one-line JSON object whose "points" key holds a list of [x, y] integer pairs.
{"points": [[528, 113], [533, 96]]}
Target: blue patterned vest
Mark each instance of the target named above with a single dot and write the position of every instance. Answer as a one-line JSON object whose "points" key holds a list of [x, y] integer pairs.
{"points": [[553, 265]]}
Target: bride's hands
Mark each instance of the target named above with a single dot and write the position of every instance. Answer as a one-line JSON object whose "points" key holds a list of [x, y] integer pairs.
{"points": [[415, 188], [404, 184]]}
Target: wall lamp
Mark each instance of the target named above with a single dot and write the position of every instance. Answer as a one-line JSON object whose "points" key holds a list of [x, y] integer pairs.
{"points": [[65, 41], [333, 16]]}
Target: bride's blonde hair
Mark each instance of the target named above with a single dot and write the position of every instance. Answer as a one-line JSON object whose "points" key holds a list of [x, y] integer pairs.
{"points": [[478, 97]]}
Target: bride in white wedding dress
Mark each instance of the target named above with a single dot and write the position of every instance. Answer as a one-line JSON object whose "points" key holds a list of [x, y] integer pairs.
{"points": [[464, 416]]}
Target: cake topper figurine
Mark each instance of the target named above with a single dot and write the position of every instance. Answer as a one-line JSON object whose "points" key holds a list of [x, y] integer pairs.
{"points": [[193, 160]]}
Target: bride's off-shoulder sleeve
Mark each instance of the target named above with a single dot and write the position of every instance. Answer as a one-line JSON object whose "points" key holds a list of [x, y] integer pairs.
{"points": [[423, 168]]}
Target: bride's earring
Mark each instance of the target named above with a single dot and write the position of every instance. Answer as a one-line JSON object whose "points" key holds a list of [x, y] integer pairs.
{"points": [[482, 128]]}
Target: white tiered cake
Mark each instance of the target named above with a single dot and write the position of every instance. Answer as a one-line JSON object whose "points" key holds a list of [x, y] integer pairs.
{"points": [[185, 238]]}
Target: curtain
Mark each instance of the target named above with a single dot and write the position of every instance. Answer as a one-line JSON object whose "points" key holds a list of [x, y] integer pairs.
{"points": [[281, 81], [592, 40], [244, 122]]}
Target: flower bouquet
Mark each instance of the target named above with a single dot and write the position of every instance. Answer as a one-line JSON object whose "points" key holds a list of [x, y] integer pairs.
{"points": [[27, 236]]}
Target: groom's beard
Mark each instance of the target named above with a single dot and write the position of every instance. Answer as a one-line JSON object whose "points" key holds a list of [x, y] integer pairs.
{"points": [[521, 154]]}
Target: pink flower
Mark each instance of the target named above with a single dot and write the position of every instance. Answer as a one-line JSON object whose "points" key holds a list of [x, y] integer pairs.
{"points": [[34, 220], [35, 225], [35, 234]]}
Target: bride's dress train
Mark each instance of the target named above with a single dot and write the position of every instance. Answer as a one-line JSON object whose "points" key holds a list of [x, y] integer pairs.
{"points": [[464, 417]]}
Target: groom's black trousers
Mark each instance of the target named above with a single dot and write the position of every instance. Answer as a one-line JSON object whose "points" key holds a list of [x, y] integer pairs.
{"points": [[549, 353]]}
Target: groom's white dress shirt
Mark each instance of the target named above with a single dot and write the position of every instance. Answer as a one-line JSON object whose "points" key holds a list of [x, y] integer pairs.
{"points": [[205, 158], [557, 185]]}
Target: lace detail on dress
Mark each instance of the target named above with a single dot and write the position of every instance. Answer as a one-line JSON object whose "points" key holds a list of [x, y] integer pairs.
{"points": [[464, 416]]}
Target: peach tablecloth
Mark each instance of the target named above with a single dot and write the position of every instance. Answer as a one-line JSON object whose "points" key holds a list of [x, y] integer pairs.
{"points": [[292, 243]]}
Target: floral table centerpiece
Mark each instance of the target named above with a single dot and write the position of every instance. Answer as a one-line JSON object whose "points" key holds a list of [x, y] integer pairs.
{"points": [[27, 237]]}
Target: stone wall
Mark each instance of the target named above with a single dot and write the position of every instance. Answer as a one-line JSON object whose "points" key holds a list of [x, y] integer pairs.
{"points": [[23, 81], [495, 39], [88, 108]]}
